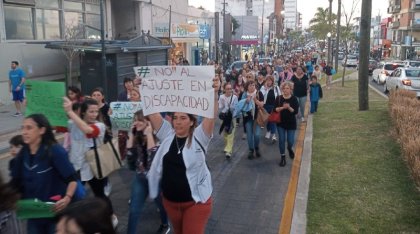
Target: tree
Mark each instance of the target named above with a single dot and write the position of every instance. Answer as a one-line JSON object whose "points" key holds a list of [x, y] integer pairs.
{"points": [[364, 49], [319, 24], [346, 32], [235, 25], [72, 35]]}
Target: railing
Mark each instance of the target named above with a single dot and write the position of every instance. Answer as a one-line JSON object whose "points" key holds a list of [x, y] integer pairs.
{"points": [[396, 24]]}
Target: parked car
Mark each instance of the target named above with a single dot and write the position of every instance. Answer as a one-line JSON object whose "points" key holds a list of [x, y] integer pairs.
{"points": [[262, 60], [237, 64], [352, 61], [404, 78], [380, 74], [411, 63], [341, 55]]}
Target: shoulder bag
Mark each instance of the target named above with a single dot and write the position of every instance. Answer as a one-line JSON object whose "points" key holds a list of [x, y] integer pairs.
{"points": [[103, 160], [275, 116]]}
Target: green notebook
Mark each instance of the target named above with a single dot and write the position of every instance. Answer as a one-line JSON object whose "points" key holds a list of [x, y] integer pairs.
{"points": [[34, 208]]}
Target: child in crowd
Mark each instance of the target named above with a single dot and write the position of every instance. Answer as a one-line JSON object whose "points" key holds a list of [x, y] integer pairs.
{"points": [[16, 144], [315, 94]]}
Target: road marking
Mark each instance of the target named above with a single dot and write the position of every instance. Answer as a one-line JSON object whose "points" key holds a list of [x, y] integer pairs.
{"points": [[289, 200]]}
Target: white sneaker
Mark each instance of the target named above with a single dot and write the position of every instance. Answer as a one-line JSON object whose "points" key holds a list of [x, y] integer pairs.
{"points": [[244, 136], [274, 138], [108, 188], [267, 135], [302, 119], [114, 221]]}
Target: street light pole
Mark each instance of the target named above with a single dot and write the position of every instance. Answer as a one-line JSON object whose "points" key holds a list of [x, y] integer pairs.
{"points": [[329, 29], [262, 27], [103, 52], [337, 46]]}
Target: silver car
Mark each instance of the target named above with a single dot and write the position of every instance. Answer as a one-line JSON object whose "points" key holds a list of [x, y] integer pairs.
{"points": [[404, 78], [352, 61]]}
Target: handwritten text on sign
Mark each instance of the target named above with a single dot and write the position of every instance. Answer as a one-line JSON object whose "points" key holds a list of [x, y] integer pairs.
{"points": [[177, 89], [123, 113]]}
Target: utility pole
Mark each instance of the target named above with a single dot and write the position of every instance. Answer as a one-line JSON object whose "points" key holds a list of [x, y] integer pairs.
{"points": [[262, 28], [103, 52], [329, 28], [170, 23], [337, 46], [365, 23], [224, 58]]}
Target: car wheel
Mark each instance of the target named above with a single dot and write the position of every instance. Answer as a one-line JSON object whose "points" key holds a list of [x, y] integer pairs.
{"points": [[386, 91]]}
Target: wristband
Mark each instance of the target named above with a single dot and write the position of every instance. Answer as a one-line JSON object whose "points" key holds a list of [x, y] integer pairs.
{"points": [[69, 196]]}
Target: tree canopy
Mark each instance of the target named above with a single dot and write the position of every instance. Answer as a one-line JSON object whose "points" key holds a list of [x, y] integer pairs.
{"points": [[319, 23]]}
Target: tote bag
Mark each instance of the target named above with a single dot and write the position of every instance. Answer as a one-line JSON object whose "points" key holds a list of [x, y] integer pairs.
{"points": [[262, 116], [103, 160]]}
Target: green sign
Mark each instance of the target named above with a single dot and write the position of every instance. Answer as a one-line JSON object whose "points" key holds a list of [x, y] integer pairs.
{"points": [[33, 208], [46, 97], [123, 113]]}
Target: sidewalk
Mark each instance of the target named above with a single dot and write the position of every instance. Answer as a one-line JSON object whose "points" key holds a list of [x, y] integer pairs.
{"points": [[9, 123]]}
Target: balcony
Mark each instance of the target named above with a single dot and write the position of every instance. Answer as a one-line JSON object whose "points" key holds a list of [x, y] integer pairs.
{"points": [[415, 7], [394, 9], [396, 24], [415, 25]]}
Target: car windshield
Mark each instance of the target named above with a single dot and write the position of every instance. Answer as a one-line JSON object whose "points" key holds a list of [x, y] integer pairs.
{"points": [[412, 73], [415, 64], [261, 60], [352, 57], [391, 67], [372, 62], [238, 65]]}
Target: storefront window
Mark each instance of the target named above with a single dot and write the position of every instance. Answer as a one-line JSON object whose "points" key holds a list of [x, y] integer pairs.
{"points": [[93, 8], [47, 3], [18, 21], [47, 24], [73, 6], [94, 21], [73, 25]]}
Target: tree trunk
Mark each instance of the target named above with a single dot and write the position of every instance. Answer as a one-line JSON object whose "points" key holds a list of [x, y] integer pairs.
{"points": [[364, 49]]}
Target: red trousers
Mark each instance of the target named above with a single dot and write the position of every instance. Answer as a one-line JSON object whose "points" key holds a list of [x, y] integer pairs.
{"points": [[188, 217]]}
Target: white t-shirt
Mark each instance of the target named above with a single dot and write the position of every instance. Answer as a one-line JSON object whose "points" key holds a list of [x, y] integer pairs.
{"points": [[224, 103]]}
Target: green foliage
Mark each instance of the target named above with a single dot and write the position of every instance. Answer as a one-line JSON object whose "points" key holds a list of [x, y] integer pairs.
{"points": [[235, 25], [319, 24]]}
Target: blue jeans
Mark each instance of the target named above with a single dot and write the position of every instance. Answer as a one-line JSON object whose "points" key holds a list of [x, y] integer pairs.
{"points": [[314, 106], [283, 133], [252, 135], [139, 193], [302, 102], [41, 226], [270, 126]]}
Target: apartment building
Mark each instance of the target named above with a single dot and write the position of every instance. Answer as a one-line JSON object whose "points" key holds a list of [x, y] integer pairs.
{"points": [[405, 28]]}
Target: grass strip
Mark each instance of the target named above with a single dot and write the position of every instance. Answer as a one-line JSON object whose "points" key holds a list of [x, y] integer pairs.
{"points": [[359, 182]]}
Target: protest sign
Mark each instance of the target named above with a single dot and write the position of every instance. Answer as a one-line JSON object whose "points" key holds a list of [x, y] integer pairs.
{"points": [[177, 89], [123, 113], [46, 97], [33, 208]]}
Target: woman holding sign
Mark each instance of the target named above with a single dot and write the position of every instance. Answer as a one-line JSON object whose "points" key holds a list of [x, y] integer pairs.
{"points": [[84, 129], [42, 171], [180, 170]]}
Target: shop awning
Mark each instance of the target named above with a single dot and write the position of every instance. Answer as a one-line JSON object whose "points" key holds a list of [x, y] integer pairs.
{"points": [[245, 42]]}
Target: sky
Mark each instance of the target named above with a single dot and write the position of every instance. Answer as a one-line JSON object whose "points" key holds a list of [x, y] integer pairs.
{"points": [[308, 7]]}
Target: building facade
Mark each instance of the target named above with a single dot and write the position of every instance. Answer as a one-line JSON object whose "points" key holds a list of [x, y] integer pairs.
{"points": [[405, 28], [26, 26], [290, 15]]}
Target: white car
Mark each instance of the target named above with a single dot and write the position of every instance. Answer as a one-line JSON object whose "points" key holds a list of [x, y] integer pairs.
{"points": [[380, 74], [411, 63], [404, 78], [352, 61]]}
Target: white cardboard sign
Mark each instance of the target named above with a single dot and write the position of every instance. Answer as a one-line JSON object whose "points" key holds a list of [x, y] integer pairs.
{"points": [[177, 89]]}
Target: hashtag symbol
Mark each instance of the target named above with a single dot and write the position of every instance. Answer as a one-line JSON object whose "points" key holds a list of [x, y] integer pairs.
{"points": [[117, 106], [144, 71]]}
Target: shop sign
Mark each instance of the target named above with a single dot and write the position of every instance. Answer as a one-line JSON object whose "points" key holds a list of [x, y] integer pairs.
{"points": [[161, 30], [204, 31], [185, 30], [249, 37]]}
